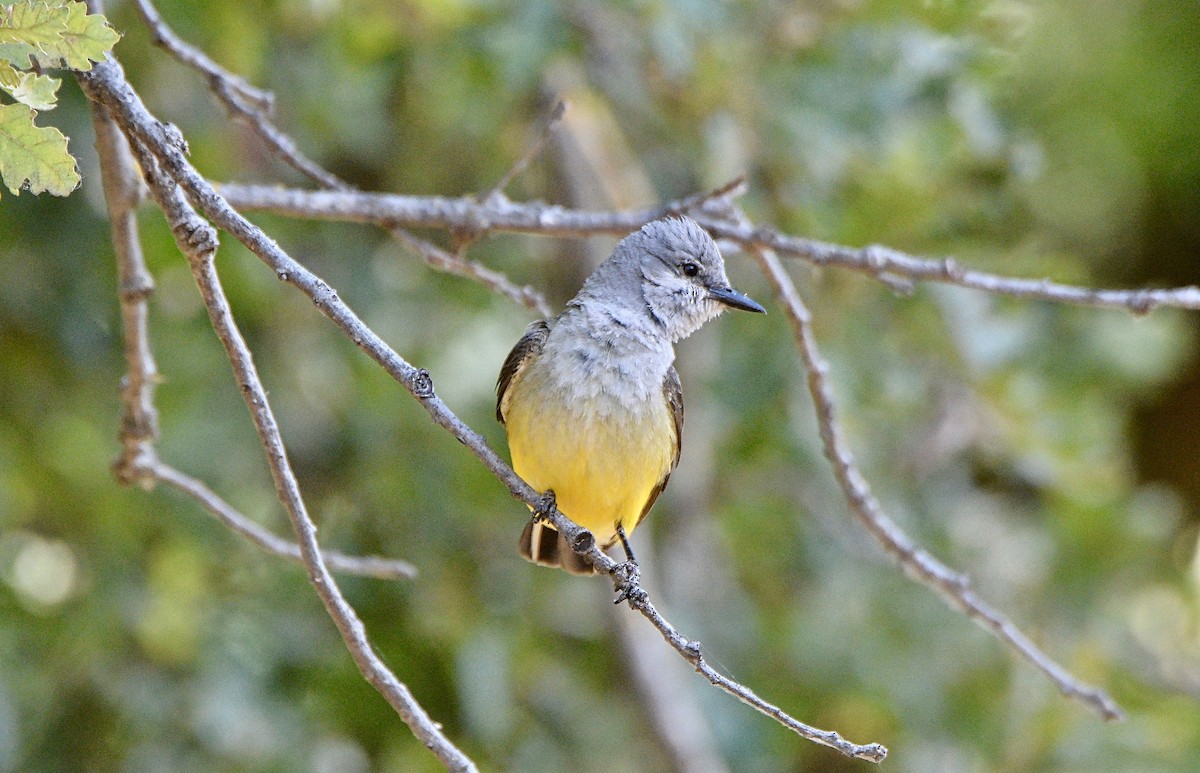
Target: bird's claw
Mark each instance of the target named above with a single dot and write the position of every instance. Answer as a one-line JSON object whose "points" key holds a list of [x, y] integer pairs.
{"points": [[628, 583], [546, 505]]}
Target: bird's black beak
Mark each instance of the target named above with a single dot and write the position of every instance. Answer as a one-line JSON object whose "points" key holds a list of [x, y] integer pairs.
{"points": [[731, 297]]}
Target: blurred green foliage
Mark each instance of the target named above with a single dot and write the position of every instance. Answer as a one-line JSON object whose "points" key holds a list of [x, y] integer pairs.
{"points": [[1024, 137]]}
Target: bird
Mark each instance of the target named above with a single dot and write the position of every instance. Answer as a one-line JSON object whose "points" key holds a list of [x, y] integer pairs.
{"points": [[590, 400]]}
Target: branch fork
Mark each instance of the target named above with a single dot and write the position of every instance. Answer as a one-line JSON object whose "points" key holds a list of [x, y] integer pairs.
{"points": [[195, 209]]}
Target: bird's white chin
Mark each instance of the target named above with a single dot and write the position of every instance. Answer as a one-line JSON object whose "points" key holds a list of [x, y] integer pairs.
{"points": [[690, 317]]}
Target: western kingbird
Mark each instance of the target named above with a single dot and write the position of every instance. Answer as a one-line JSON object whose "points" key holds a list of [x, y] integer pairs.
{"points": [[590, 399]]}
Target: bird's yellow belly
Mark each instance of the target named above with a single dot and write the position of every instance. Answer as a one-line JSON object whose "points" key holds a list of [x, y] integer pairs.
{"points": [[602, 469]]}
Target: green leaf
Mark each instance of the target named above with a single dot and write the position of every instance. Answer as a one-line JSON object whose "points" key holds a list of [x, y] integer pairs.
{"points": [[86, 39], [13, 48], [56, 33], [31, 29], [34, 157], [36, 91], [10, 78]]}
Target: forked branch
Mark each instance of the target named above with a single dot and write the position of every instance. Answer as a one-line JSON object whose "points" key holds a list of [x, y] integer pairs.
{"points": [[197, 240], [498, 214], [139, 461], [161, 151], [178, 188], [952, 586]]}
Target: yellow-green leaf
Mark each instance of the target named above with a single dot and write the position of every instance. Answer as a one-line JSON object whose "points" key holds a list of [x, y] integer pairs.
{"points": [[36, 91], [86, 39], [54, 33], [10, 78], [14, 49], [34, 157], [31, 29]]}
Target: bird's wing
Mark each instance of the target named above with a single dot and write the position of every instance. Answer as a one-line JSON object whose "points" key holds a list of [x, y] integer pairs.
{"points": [[525, 350], [673, 394]]}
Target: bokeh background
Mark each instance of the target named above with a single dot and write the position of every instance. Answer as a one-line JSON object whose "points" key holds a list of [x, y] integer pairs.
{"points": [[1049, 451]]}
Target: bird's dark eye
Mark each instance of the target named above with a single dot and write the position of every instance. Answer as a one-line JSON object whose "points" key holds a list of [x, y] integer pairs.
{"points": [[689, 269]]}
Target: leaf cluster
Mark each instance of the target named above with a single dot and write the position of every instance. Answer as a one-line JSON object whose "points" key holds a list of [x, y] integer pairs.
{"points": [[33, 35]]}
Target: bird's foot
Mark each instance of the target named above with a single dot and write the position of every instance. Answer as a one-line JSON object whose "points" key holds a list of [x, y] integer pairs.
{"points": [[546, 505], [627, 582], [629, 557]]}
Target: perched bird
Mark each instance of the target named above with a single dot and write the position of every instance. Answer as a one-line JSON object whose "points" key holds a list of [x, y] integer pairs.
{"points": [[590, 399]]}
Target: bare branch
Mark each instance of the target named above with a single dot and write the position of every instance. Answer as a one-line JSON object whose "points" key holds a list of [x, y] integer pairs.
{"points": [[197, 240], [718, 199], [690, 651], [627, 584], [252, 107], [122, 193], [106, 84], [535, 147], [628, 587], [244, 103], [138, 433], [896, 269], [885, 262], [440, 260], [953, 587], [666, 692], [467, 214], [164, 37], [366, 566]]}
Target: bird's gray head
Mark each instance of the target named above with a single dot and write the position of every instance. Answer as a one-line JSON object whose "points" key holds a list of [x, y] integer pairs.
{"points": [[672, 270]]}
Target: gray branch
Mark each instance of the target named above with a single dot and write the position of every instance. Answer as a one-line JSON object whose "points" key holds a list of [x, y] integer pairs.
{"points": [[952, 586], [196, 239], [252, 108], [499, 214], [107, 85], [139, 462], [364, 566], [246, 104], [122, 194], [163, 153], [440, 260]]}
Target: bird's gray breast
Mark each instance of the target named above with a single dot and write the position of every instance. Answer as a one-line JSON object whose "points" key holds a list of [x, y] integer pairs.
{"points": [[607, 366]]}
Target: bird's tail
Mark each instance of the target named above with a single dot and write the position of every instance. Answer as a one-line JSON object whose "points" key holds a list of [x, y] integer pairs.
{"points": [[542, 544]]}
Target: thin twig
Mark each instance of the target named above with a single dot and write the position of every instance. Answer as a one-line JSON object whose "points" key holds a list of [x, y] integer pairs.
{"points": [[252, 107], [138, 461], [718, 198], [500, 214], [366, 566], [952, 586], [464, 237], [531, 152], [197, 240], [164, 37], [122, 193], [628, 587], [882, 261], [690, 650], [666, 692], [443, 261], [106, 83], [247, 104]]}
